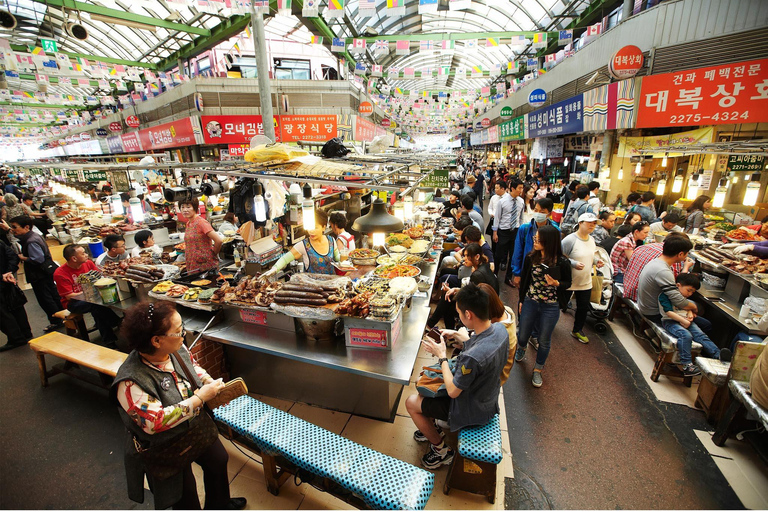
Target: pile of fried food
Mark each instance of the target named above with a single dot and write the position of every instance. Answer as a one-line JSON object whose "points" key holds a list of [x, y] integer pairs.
{"points": [[742, 265], [399, 239], [415, 232], [358, 305]]}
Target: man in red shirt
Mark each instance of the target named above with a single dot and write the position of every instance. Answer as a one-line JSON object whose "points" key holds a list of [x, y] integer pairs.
{"points": [[71, 292]]}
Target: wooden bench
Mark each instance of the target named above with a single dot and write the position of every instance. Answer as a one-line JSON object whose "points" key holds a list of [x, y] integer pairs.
{"points": [[666, 362], [76, 353], [354, 473], [479, 452]]}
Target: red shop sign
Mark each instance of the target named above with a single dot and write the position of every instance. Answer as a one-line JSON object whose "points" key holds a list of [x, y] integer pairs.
{"points": [[253, 317], [486, 122], [626, 62], [168, 135], [234, 129], [729, 94], [364, 129], [386, 123], [130, 142], [366, 109], [132, 121], [313, 128], [238, 149], [115, 127]]}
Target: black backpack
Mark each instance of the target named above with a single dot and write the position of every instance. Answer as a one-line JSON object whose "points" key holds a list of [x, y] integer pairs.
{"points": [[334, 148]]}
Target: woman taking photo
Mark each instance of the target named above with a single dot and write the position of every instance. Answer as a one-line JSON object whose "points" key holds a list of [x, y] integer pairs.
{"points": [[695, 219], [481, 273], [545, 280], [160, 405], [317, 252], [202, 242]]}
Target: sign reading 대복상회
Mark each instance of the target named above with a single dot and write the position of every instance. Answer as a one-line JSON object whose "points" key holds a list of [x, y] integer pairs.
{"points": [[728, 94]]}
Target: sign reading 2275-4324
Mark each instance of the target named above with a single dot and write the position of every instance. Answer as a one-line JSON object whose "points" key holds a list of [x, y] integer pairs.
{"points": [[730, 94]]}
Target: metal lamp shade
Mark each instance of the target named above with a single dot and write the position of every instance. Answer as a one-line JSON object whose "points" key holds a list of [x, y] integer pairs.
{"points": [[378, 220]]}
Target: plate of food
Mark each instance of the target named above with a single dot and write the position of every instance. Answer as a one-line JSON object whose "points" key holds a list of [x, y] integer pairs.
{"points": [[396, 270], [201, 282], [408, 259], [176, 291], [743, 235], [362, 256], [399, 239], [163, 287], [415, 232]]}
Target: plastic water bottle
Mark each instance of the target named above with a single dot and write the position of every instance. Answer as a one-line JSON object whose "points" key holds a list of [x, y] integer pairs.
{"points": [[237, 258]]}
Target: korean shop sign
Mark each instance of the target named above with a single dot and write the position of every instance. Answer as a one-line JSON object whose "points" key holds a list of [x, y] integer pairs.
{"points": [[561, 118], [438, 179], [626, 62], [728, 94], [314, 128], [513, 129], [95, 175], [234, 129], [749, 163]]}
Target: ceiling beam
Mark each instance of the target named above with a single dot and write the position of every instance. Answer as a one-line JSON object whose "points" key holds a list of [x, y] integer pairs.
{"points": [[451, 37], [108, 60], [75, 5]]}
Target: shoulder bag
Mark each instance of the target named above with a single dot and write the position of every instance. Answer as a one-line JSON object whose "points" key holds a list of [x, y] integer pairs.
{"points": [[167, 459]]}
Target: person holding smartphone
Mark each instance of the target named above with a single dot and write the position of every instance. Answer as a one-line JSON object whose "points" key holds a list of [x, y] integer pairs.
{"points": [[545, 280]]}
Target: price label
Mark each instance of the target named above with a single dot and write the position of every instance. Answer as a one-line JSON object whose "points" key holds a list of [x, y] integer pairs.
{"points": [[253, 317]]}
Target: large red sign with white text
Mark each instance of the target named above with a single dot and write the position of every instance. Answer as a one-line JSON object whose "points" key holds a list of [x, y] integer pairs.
{"points": [[729, 94], [366, 130], [312, 128], [130, 142], [168, 135], [234, 129]]}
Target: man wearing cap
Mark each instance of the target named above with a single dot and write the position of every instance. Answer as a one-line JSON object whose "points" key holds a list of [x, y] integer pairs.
{"points": [[580, 248]]}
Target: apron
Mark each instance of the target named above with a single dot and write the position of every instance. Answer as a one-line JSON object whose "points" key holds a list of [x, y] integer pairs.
{"points": [[320, 264], [199, 251]]}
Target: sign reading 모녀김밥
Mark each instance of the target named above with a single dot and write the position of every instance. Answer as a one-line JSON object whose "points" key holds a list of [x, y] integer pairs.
{"points": [[234, 129], [728, 94]]}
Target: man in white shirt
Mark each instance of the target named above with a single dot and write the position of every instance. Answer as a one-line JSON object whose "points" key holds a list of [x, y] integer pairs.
{"points": [[506, 221], [594, 201]]}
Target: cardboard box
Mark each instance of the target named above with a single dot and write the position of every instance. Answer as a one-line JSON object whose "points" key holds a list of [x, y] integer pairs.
{"points": [[374, 334]]}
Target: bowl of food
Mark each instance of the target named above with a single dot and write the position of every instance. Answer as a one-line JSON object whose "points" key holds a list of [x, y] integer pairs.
{"points": [[660, 236], [362, 256], [396, 270]]}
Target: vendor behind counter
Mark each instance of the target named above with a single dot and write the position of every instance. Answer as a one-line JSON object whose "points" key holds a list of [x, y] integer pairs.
{"points": [[203, 243], [317, 252]]}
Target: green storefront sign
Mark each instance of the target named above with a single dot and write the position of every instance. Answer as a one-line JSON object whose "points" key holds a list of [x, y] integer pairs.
{"points": [[438, 179], [506, 112], [95, 175], [513, 129], [748, 163], [72, 175]]}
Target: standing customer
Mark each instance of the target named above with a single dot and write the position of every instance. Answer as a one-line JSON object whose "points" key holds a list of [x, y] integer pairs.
{"points": [[38, 268], [506, 223], [603, 231], [202, 242], [580, 248], [344, 239], [479, 187], [647, 209], [71, 293], [546, 279], [695, 219], [158, 404], [473, 387], [13, 317]]}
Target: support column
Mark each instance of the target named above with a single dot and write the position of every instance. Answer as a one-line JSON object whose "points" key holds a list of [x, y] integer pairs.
{"points": [[627, 9], [605, 155], [262, 68]]}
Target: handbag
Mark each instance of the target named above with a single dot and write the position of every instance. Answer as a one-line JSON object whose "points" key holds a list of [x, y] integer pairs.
{"points": [[15, 295], [170, 458], [430, 383], [597, 287]]}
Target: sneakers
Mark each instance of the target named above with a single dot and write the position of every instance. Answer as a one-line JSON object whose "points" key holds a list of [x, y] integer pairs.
{"points": [[534, 342], [690, 369], [437, 457], [53, 327], [580, 336], [519, 354], [536, 380], [420, 437]]}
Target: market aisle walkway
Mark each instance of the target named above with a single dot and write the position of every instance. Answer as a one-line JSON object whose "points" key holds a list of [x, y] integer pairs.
{"points": [[595, 436]]}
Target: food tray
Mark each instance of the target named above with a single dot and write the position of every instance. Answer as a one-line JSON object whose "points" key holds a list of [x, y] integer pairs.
{"points": [[414, 271], [192, 305]]}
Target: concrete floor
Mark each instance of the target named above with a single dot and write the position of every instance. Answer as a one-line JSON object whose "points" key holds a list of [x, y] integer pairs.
{"points": [[593, 437]]}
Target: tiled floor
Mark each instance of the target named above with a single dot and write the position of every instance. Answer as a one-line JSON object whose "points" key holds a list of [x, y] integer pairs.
{"points": [[742, 467], [394, 439]]}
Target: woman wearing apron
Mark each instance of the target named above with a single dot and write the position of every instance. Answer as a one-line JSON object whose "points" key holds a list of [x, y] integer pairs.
{"points": [[318, 252], [202, 242]]}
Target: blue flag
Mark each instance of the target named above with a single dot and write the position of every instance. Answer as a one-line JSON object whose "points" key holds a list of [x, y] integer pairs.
{"points": [[337, 45]]}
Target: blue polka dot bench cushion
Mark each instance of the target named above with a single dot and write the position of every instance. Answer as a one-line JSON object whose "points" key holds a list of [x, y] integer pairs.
{"points": [[482, 443], [383, 482]]}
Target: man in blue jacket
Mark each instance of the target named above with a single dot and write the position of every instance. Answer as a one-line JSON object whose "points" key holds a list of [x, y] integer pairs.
{"points": [[524, 242]]}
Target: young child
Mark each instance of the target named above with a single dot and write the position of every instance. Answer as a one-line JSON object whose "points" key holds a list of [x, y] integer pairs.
{"points": [[145, 242], [679, 323]]}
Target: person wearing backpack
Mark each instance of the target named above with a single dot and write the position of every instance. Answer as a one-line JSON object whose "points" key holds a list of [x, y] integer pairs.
{"points": [[576, 209]]}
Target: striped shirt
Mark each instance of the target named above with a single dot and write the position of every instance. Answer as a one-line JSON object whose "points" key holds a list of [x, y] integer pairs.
{"points": [[507, 214], [618, 258], [640, 258]]}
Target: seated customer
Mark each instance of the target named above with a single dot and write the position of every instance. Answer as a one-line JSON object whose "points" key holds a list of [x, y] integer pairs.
{"points": [[71, 292], [679, 323], [644, 255], [145, 242], [611, 240], [667, 224], [467, 207], [473, 387], [115, 250], [606, 221], [624, 248]]}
